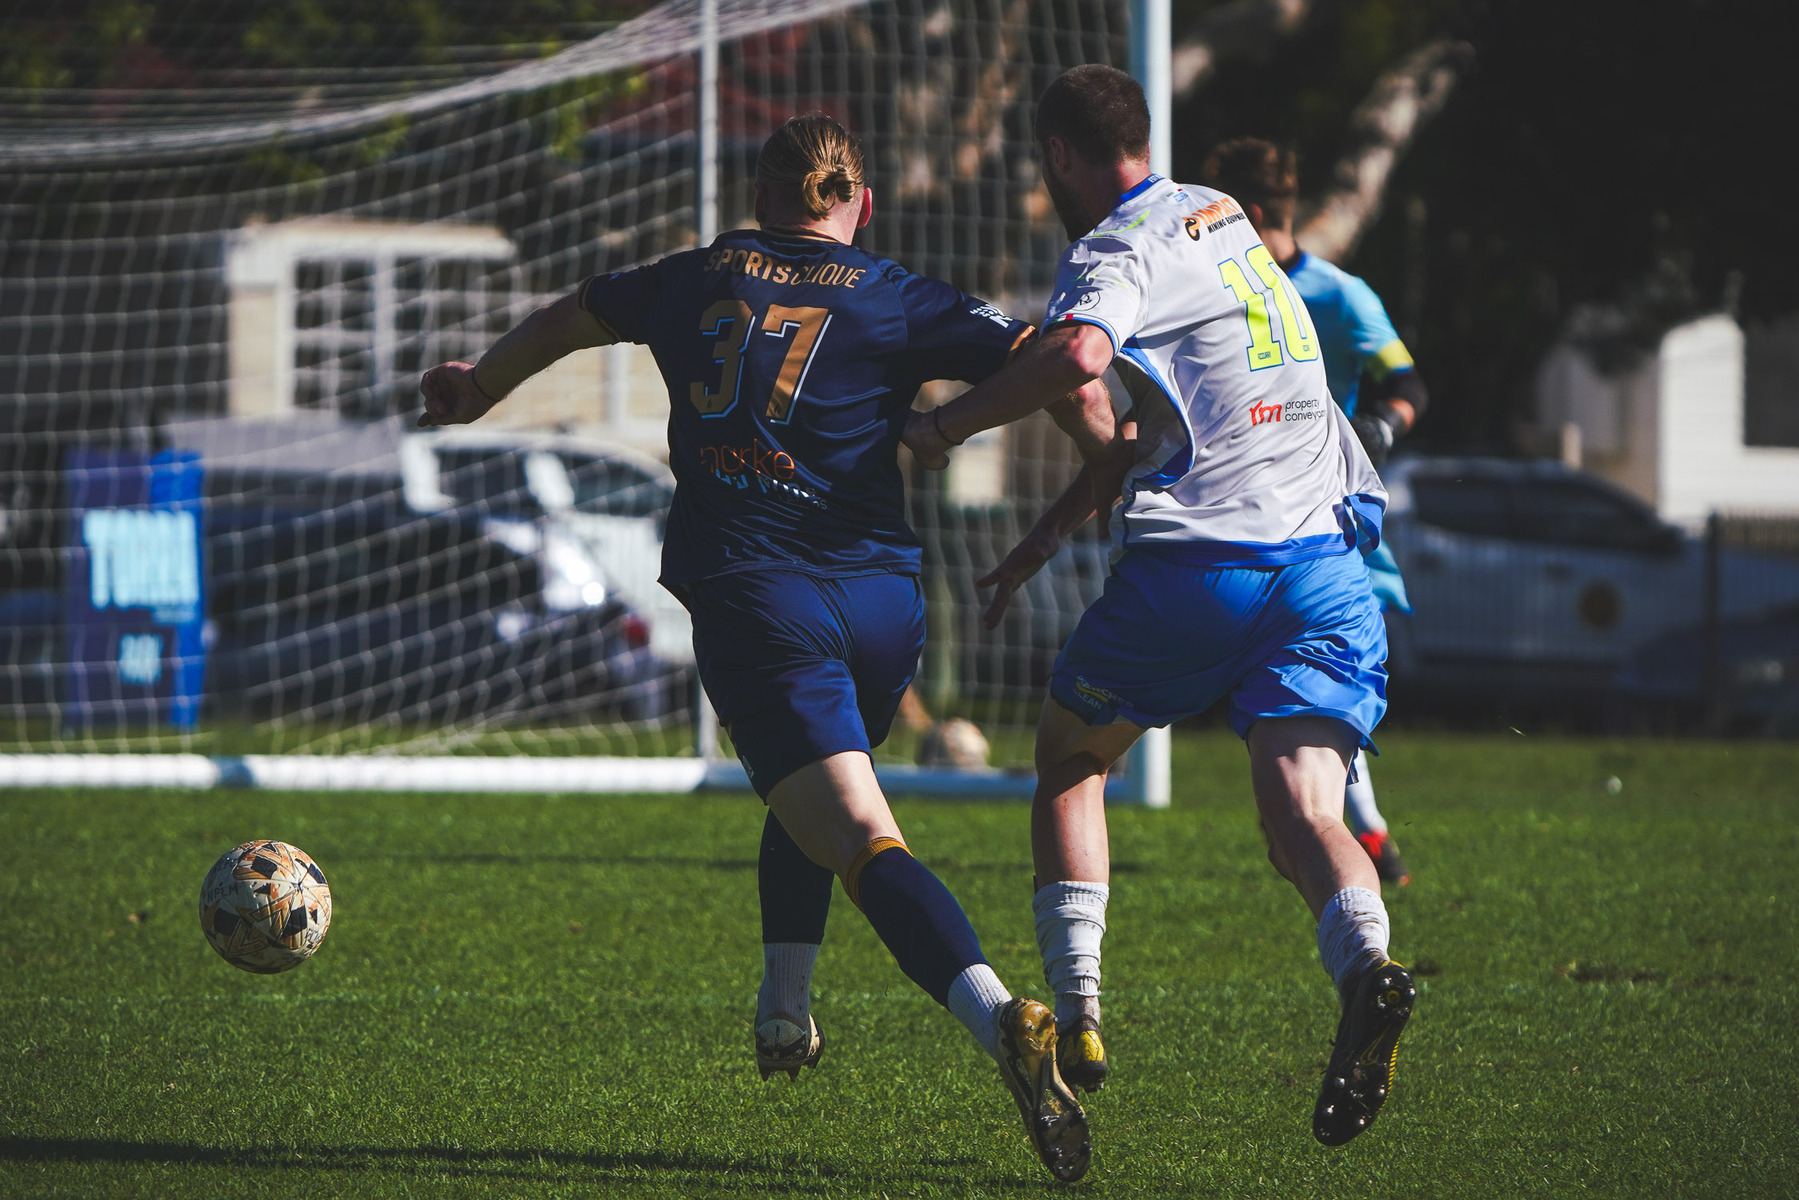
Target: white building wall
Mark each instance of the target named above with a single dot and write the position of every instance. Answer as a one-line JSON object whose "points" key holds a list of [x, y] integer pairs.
{"points": [[1671, 430], [1702, 464]]}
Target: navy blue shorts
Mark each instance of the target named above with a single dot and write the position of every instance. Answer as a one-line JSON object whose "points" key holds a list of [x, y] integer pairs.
{"points": [[801, 667], [1167, 640]]}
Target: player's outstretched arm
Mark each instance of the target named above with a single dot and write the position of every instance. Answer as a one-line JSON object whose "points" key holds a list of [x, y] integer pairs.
{"points": [[457, 393], [1095, 489], [1059, 362], [1086, 417]]}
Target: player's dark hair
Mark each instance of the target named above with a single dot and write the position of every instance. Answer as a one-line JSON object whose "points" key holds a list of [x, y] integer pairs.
{"points": [[1258, 172], [814, 160], [1099, 111]]}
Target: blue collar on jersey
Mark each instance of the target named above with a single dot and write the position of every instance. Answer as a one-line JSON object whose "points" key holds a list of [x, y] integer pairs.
{"points": [[1147, 183]]}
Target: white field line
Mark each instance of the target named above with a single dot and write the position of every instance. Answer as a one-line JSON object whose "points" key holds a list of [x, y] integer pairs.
{"points": [[470, 773]]}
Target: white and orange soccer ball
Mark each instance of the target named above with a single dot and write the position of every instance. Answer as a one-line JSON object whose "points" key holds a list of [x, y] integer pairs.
{"points": [[265, 907]]}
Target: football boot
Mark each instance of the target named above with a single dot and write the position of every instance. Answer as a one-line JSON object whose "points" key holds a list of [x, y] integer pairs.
{"points": [[1376, 1005], [1053, 1119], [1385, 852], [1081, 1056], [783, 1046]]}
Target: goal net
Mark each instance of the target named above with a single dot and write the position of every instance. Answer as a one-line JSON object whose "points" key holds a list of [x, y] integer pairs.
{"points": [[233, 243]]}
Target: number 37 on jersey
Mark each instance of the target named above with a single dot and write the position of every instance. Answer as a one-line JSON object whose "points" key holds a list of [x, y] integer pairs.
{"points": [[733, 323]]}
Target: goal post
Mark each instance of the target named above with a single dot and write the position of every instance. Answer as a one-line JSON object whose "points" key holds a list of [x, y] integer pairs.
{"points": [[1148, 767], [224, 281]]}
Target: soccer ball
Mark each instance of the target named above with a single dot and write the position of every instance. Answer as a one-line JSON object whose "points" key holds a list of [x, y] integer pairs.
{"points": [[265, 907], [953, 743]]}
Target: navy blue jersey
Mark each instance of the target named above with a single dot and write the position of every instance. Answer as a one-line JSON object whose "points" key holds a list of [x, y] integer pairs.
{"points": [[791, 362]]}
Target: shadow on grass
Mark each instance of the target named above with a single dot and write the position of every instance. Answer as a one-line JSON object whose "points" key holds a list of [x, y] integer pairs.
{"points": [[791, 1174]]}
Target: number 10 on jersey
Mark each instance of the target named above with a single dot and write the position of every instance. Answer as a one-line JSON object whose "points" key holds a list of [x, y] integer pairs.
{"points": [[1296, 325], [732, 323]]}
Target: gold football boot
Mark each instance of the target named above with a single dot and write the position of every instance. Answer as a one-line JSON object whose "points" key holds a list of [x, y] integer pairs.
{"points": [[1081, 1056], [1052, 1116]]}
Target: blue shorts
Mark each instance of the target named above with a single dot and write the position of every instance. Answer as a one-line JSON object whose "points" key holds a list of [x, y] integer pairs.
{"points": [[1167, 640], [801, 667]]}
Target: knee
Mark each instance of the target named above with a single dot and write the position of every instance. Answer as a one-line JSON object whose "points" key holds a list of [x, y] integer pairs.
{"points": [[852, 874], [1055, 762]]}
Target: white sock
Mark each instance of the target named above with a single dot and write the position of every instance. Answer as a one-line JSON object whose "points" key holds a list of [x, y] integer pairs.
{"points": [[1358, 799], [975, 997], [1071, 920], [1352, 932], [786, 982]]}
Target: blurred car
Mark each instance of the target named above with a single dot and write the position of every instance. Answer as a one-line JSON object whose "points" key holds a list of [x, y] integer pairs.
{"points": [[584, 497], [1528, 578], [1664, 686], [333, 599]]}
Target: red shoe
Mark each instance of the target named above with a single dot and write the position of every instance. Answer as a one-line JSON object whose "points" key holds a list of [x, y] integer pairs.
{"points": [[1387, 863]]}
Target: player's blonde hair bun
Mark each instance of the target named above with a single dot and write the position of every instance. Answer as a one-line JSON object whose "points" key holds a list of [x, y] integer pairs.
{"points": [[814, 160], [822, 188]]}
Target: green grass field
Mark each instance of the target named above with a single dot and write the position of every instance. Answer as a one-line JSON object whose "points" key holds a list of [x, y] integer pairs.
{"points": [[552, 996]]}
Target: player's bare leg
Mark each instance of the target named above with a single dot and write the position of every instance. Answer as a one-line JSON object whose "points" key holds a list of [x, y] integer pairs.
{"points": [[833, 808], [1298, 766], [836, 813], [1071, 858]]}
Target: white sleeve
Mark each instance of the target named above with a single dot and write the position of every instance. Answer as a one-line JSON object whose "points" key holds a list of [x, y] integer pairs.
{"points": [[1100, 282]]}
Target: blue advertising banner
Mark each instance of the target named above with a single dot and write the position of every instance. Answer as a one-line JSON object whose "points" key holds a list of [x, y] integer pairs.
{"points": [[134, 593]]}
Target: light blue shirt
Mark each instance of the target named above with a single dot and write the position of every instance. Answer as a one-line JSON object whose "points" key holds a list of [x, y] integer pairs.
{"points": [[1354, 331]]}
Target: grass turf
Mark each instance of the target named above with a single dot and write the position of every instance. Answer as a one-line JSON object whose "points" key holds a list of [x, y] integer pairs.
{"points": [[551, 996]]}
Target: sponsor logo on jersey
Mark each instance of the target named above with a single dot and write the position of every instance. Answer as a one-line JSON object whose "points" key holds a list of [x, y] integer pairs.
{"points": [[1263, 413], [1093, 694], [759, 466], [738, 261], [1302, 410], [755, 458], [1213, 217], [991, 313], [1065, 305]]}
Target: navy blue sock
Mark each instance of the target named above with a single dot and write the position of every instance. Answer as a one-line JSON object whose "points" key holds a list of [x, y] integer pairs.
{"points": [[923, 927], [795, 891]]}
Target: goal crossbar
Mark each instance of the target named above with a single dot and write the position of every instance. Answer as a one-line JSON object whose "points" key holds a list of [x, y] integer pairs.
{"points": [[664, 31]]}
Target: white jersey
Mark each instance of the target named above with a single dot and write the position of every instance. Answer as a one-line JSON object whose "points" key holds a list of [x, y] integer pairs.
{"points": [[1243, 458]]}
